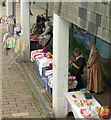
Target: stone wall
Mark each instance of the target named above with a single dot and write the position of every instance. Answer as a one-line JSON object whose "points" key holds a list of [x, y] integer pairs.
{"points": [[94, 17]]}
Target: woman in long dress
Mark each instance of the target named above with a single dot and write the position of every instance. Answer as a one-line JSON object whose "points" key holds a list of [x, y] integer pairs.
{"points": [[94, 71]]}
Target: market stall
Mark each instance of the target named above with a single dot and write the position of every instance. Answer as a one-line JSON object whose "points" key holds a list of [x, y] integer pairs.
{"points": [[82, 108], [43, 60]]}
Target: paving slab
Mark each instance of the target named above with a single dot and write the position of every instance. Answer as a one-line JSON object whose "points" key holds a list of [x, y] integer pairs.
{"points": [[17, 100]]}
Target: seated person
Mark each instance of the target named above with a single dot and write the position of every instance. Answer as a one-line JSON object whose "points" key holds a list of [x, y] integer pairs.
{"points": [[46, 35], [77, 66]]}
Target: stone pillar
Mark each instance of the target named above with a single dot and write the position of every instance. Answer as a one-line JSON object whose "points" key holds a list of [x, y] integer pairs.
{"points": [[1, 62], [60, 64], [9, 7], [25, 24], [14, 9], [10, 11], [25, 19]]}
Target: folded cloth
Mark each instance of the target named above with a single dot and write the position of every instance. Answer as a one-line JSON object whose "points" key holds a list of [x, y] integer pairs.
{"points": [[44, 62], [10, 42], [70, 86], [21, 45], [71, 79], [31, 34], [50, 82], [36, 54], [6, 35], [35, 39], [73, 85], [48, 72]]}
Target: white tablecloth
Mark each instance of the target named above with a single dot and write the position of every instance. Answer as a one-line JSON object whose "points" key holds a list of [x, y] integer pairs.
{"points": [[70, 106], [44, 62]]}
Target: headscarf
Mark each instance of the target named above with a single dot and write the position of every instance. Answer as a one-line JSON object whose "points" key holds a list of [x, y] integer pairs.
{"points": [[93, 49]]}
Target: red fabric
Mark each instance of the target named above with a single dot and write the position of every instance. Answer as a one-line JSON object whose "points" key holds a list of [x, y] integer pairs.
{"points": [[71, 79], [50, 66], [44, 50], [31, 33], [36, 39], [38, 56]]}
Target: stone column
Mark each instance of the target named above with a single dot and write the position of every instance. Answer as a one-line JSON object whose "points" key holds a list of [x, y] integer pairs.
{"points": [[25, 19], [25, 24], [10, 11], [60, 64], [9, 7]]}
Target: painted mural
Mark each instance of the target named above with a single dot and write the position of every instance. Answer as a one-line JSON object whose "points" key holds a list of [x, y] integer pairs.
{"points": [[80, 38]]}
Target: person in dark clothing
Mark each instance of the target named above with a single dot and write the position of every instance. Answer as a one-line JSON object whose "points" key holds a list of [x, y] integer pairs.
{"points": [[77, 66], [46, 35]]}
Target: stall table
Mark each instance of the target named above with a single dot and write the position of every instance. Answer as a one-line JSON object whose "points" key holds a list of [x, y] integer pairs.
{"points": [[41, 64], [70, 106]]}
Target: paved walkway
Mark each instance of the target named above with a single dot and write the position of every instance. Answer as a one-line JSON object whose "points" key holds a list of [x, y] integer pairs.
{"points": [[17, 98]]}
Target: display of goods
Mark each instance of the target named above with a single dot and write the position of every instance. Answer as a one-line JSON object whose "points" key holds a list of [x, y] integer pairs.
{"points": [[32, 33], [105, 112], [71, 79], [82, 103], [80, 93], [84, 90], [51, 65], [89, 113], [44, 50], [38, 56], [73, 96], [48, 55]]}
